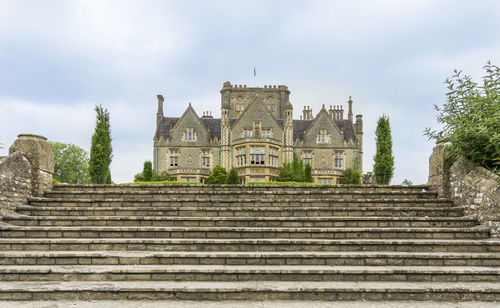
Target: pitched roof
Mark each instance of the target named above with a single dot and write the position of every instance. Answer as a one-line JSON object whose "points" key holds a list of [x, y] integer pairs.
{"points": [[213, 125]]}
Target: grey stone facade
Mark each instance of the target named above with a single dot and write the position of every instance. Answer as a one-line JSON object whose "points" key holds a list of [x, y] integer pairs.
{"points": [[256, 134]]}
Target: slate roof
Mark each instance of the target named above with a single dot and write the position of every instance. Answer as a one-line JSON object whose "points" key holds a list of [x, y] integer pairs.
{"points": [[213, 125]]}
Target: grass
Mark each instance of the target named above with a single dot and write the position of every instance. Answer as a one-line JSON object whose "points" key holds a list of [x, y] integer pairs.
{"points": [[286, 183], [162, 182]]}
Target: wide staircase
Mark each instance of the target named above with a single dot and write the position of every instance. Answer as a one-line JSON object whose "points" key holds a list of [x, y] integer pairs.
{"points": [[194, 242]]}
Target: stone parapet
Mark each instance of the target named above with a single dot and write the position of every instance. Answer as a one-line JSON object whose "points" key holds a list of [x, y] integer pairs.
{"points": [[474, 188], [439, 166], [27, 171], [477, 190]]}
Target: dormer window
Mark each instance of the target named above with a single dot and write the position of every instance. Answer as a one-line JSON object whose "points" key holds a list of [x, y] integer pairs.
{"points": [[323, 136], [266, 133], [189, 135], [247, 133]]}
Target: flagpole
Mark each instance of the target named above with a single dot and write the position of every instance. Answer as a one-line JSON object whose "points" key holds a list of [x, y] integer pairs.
{"points": [[255, 76]]}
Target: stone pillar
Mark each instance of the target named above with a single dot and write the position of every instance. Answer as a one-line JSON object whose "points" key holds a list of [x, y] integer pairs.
{"points": [[439, 171], [36, 149]]}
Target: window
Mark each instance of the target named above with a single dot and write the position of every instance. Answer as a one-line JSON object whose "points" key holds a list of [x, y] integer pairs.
{"points": [[247, 133], [241, 156], [273, 156], [325, 181], [266, 133], [323, 136], [205, 159], [174, 158], [307, 158], [257, 155], [189, 135], [339, 160], [257, 179], [188, 179]]}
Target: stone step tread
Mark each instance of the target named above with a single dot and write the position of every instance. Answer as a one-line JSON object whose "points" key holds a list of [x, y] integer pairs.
{"points": [[276, 269], [226, 199], [238, 208], [257, 241], [9, 227], [245, 254], [15, 216], [249, 286], [219, 186], [223, 191]]}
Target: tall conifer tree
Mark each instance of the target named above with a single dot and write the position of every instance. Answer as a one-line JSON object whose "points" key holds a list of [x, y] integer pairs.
{"points": [[384, 161], [100, 150]]}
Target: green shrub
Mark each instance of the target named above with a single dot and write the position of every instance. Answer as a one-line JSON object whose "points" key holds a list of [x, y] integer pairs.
{"points": [[232, 177], [138, 177], [308, 173], [285, 183], [292, 172], [147, 171], [164, 176], [218, 176], [470, 118], [351, 176]]}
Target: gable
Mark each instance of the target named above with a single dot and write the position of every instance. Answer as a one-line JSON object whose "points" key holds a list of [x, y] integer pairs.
{"points": [[323, 121], [257, 112], [189, 120]]}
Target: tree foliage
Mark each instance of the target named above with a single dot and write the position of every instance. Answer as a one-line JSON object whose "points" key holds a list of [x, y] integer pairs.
{"points": [[71, 163], [351, 176], [406, 182], [232, 177], [147, 171], [147, 174], [101, 150], [308, 173], [218, 176], [470, 118], [383, 168], [294, 171]]}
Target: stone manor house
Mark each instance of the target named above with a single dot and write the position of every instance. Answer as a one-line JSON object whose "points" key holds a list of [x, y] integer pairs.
{"points": [[256, 134]]}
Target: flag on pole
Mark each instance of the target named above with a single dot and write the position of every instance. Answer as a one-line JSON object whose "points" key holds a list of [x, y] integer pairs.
{"points": [[254, 71]]}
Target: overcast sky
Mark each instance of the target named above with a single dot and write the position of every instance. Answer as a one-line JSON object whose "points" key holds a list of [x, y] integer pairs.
{"points": [[58, 59]]}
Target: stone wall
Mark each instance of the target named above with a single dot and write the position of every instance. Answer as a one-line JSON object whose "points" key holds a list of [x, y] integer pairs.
{"points": [[27, 171], [477, 190], [472, 187]]}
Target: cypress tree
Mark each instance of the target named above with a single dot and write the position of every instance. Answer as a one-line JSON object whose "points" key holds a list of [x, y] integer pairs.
{"points": [[232, 177], [308, 173], [147, 171], [384, 161], [100, 150]]}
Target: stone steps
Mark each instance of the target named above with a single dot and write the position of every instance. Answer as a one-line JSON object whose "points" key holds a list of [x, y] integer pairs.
{"points": [[333, 258], [249, 290], [257, 189], [212, 211], [203, 242], [285, 222], [231, 202], [249, 245], [269, 195], [13, 231], [198, 272]]}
